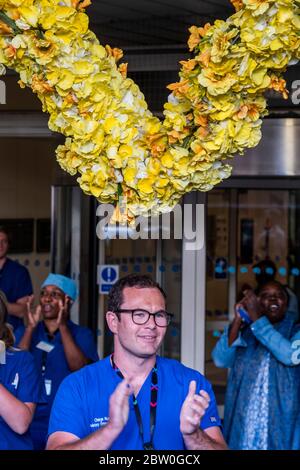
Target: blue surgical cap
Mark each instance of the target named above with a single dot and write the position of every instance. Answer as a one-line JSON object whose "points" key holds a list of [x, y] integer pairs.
{"points": [[66, 284]]}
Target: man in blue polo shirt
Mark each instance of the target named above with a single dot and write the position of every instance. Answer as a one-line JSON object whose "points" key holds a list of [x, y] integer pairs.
{"points": [[135, 399], [15, 282], [58, 345]]}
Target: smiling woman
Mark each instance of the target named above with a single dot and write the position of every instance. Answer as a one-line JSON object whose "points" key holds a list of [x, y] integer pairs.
{"points": [[113, 141], [262, 397]]}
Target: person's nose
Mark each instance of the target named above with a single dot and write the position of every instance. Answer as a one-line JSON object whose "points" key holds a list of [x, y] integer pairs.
{"points": [[273, 297], [151, 322], [47, 297]]}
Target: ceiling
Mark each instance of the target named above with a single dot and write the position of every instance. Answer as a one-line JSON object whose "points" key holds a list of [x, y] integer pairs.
{"points": [[151, 23]]}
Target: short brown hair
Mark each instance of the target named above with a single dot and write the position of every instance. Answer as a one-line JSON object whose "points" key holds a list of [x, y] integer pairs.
{"points": [[140, 281]]}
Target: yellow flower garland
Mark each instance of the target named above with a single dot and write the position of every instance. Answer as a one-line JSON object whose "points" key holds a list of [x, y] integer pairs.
{"points": [[113, 141]]}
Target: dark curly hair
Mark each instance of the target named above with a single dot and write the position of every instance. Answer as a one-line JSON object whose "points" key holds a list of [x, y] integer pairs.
{"points": [[140, 281]]}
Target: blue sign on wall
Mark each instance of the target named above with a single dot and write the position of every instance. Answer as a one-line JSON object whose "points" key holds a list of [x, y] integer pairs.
{"points": [[108, 274]]}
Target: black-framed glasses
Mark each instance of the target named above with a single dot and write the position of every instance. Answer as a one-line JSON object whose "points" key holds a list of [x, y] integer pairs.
{"points": [[140, 316]]}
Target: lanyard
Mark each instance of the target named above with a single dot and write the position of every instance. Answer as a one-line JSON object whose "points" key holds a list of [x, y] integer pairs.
{"points": [[153, 406], [45, 354]]}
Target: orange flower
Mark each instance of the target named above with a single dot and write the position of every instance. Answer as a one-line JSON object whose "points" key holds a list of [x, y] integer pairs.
{"points": [[196, 35], [279, 84], [71, 98], [123, 69], [80, 4], [188, 65], [202, 132], [204, 58], [39, 85], [157, 143], [238, 4], [250, 110], [201, 120], [10, 52], [203, 31], [116, 53], [179, 87], [5, 29]]}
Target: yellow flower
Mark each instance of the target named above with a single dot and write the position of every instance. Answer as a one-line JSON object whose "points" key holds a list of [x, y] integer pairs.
{"points": [[258, 7], [145, 186], [113, 141], [221, 41], [215, 84]]}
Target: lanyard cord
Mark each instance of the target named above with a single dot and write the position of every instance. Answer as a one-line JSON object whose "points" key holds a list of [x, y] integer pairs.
{"points": [[45, 354], [153, 406]]}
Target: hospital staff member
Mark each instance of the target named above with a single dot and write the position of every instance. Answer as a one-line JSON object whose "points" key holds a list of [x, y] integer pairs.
{"points": [[19, 389], [58, 345]]}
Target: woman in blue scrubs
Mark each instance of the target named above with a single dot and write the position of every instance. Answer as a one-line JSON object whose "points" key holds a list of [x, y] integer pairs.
{"points": [[19, 389]]}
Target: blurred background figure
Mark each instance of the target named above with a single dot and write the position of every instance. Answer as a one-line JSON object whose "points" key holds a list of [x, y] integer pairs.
{"points": [[15, 282], [263, 392], [266, 271]]}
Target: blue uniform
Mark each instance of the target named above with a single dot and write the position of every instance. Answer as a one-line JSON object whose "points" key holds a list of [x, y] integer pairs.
{"points": [[81, 405], [54, 368], [15, 282], [21, 378]]}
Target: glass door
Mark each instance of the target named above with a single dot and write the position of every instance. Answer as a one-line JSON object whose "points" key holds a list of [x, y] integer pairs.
{"points": [[244, 227]]}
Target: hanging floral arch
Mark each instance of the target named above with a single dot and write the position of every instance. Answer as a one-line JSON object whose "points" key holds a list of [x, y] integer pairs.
{"points": [[113, 142]]}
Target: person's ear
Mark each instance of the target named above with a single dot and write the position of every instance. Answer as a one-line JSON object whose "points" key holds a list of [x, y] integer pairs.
{"points": [[112, 321], [68, 301]]}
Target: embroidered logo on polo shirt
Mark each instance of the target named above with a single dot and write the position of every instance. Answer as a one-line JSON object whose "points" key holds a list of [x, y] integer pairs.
{"points": [[15, 382], [99, 422]]}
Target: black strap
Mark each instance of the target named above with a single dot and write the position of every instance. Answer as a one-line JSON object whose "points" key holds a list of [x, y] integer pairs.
{"points": [[45, 354], [153, 405]]}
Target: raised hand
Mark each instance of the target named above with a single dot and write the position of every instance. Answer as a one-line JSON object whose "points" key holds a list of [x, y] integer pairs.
{"points": [[33, 316], [193, 409], [251, 303], [63, 312]]}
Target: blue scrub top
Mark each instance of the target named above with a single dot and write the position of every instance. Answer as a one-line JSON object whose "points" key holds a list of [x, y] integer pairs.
{"points": [[81, 405], [15, 282], [53, 368], [21, 378]]}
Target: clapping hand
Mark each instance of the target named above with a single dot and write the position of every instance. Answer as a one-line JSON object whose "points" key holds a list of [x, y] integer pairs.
{"points": [[119, 406], [193, 409], [63, 312]]}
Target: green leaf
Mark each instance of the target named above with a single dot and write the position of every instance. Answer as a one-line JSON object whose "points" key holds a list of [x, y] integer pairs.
{"points": [[120, 190], [9, 22]]}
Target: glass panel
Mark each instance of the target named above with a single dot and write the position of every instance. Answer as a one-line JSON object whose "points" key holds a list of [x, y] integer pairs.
{"points": [[217, 285], [171, 283], [267, 228], [263, 233]]}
